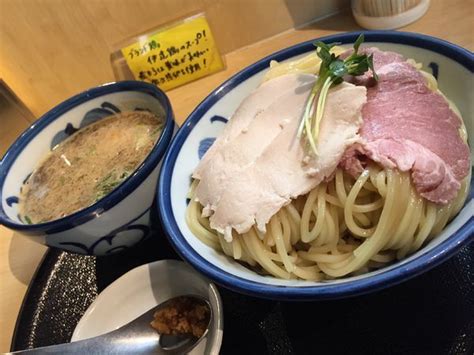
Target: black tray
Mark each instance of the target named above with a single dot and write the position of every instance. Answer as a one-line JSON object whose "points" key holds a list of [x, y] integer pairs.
{"points": [[430, 314]]}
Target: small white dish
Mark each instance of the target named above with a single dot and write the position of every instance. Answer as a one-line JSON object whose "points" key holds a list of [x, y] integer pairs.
{"points": [[145, 287]]}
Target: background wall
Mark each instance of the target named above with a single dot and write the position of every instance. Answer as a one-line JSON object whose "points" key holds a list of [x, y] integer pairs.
{"points": [[52, 49]]}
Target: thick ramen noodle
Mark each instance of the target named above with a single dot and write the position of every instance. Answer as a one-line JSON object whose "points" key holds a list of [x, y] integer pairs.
{"points": [[88, 165], [345, 226]]}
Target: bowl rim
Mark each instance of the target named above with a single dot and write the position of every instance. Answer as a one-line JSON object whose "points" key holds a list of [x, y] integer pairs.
{"points": [[379, 281], [119, 193]]}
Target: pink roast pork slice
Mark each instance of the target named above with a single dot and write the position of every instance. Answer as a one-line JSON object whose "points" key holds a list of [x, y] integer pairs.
{"points": [[409, 127]]}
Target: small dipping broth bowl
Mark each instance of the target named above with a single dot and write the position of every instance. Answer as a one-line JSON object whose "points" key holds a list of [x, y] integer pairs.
{"points": [[119, 220], [453, 66]]}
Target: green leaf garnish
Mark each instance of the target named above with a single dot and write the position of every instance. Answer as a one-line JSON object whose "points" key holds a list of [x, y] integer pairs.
{"points": [[358, 42], [371, 66], [109, 183], [27, 219], [331, 72]]}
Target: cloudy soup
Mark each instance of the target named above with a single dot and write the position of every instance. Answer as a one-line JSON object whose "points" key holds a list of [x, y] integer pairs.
{"points": [[88, 165]]}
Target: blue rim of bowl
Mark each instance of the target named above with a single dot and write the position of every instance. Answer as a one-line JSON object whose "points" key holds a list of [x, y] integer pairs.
{"points": [[379, 281], [118, 194]]}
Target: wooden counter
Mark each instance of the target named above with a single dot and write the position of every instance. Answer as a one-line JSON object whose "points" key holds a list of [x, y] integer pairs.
{"points": [[449, 20]]}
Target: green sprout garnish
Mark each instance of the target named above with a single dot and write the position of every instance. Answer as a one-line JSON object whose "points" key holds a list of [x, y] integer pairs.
{"points": [[331, 72], [109, 183]]}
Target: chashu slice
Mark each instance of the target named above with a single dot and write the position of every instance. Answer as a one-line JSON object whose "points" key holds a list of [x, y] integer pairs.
{"points": [[279, 170], [250, 108], [409, 127], [251, 129]]}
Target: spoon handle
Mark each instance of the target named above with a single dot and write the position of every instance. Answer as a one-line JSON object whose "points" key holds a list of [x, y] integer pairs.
{"points": [[99, 345], [136, 337]]}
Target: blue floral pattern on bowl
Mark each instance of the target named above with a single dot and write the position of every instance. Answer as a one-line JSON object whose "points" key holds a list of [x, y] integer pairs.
{"points": [[112, 241], [206, 143]]}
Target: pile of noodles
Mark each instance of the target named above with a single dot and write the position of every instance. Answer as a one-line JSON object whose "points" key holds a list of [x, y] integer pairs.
{"points": [[345, 226]]}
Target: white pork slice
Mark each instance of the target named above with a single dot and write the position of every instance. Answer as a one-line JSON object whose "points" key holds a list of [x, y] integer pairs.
{"points": [[283, 171], [253, 105], [251, 131]]}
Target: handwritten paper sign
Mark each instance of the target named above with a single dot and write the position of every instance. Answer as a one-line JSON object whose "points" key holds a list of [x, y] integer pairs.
{"points": [[175, 55]]}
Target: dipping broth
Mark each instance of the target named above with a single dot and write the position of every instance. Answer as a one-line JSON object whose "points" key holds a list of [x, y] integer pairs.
{"points": [[88, 165]]}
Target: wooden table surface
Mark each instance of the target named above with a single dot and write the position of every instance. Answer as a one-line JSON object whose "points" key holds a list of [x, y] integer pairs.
{"points": [[450, 20]]}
